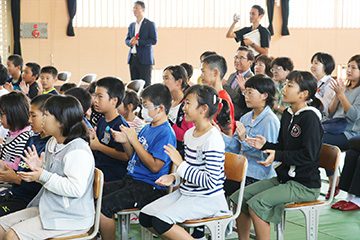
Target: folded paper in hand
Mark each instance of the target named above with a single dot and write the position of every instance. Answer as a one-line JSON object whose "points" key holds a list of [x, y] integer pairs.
{"points": [[254, 36]]}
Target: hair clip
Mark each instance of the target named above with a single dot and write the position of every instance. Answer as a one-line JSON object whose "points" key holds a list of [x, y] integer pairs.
{"points": [[214, 100]]}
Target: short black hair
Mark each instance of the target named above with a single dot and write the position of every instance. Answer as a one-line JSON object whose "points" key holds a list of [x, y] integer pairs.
{"points": [[35, 69], [67, 86], [3, 74], [81, 95], [250, 55], [68, 112], [17, 60], [140, 3], [267, 61], [179, 73], [205, 95], [284, 62], [263, 84], [189, 69], [355, 58], [206, 54], [305, 80], [114, 87], [15, 105], [218, 62], [259, 8], [39, 101], [158, 94], [327, 60], [131, 97], [50, 70]]}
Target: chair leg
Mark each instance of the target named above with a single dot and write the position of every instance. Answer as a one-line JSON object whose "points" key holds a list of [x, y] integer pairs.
{"points": [[312, 223], [146, 234], [123, 226], [280, 228], [217, 229]]}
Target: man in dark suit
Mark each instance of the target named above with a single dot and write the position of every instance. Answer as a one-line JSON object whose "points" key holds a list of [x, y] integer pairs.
{"points": [[140, 38], [235, 85]]}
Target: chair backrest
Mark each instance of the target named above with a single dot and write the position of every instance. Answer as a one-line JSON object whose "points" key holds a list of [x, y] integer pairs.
{"points": [[136, 85], [88, 78], [64, 76], [235, 170], [98, 192], [329, 160]]}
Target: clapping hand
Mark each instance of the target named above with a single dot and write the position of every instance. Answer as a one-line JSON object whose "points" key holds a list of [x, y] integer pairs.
{"points": [[257, 142], [34, 162], [338, 86], [240, 130], [119, 136], [270, 159], [174, 155]]}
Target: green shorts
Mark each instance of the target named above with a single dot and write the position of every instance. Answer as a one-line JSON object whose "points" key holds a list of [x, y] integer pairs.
{"points": [[267, 198]]}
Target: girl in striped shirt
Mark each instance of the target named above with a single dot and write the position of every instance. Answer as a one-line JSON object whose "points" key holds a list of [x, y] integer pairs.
{"points": [[14, 115], [202, 171]]}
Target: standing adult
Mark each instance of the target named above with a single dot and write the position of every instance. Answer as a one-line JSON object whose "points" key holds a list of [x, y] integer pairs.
{"points": [[256, 14], [140, 38]]}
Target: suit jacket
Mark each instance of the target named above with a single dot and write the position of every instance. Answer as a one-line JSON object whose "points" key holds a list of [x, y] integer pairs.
{"points": [[236, 96], [147, 38]]}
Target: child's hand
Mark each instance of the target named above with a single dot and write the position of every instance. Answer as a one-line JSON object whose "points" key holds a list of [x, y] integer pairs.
{"points": [[118, 136], [8, 86], [32, 158], [40, 87], [240, 130], [94, 141], [174, 155], [165, 180], [24, 87], [130, 133], [257, 142], [7, 174], [31, 176], [270, 159]]}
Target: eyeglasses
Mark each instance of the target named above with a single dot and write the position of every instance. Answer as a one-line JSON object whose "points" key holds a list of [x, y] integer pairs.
{"points": [[240, 58], [276, 69]]}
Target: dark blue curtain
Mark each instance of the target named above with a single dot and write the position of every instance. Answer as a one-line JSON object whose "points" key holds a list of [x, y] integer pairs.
{"points": [[15, 14], [71, 4]]}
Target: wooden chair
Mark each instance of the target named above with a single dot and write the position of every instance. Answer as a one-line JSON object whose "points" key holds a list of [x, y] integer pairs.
{"points": [[123, 219], [235, 170], [329, 160], [98, 189], [136, 85]]}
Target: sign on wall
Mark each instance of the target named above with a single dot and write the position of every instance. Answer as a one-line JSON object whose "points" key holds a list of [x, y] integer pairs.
{"points": [[33, 30]]}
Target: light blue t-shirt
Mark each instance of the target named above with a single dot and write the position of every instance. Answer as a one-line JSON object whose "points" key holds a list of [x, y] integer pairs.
{"points": [[153, 140]]}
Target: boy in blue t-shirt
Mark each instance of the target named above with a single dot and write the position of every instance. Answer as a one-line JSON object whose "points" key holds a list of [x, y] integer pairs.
{"points": [[147, 163], [19, 195], [109, 155]]}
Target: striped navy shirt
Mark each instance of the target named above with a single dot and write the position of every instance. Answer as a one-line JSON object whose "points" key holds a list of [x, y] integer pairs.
{"points": [[13, 147], [203, 169]]}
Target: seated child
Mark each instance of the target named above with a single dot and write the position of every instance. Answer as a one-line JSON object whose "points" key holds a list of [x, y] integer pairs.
{"points": [[30, 74], [84, 98], [19, 195], [202, 171], [298, 149], [148, 160], [15, 64], [65, 87], [127, 109], [14, 115], [109, 155], [261, 120], [65, 203], [48, 77], [94, 115]]}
